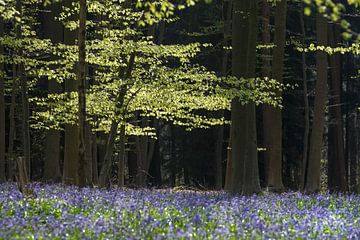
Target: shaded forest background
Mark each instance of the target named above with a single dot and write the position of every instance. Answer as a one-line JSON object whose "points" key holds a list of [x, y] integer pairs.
{"points": [[311, 143]]}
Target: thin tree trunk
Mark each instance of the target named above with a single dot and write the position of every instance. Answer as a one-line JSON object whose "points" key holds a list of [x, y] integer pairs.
{"points": [[227, 10], [132, 161], [145, 151], [273, 116], [12, 126], [95, 159], [229, 166], [2, 108], [266, 73], [306, 103], [52, 30], [155, 167], [336, 157], [106, 163], [316, 140], [84, 179], [25, 103], [71, 144], [121, 163], [351, 127]]}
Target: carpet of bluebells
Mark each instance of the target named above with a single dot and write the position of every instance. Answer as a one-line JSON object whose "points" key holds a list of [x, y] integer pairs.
{"points": [[62, 212]]}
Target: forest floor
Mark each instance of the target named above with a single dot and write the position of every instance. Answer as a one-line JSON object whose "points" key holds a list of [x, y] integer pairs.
{"points": [[63, 212]]}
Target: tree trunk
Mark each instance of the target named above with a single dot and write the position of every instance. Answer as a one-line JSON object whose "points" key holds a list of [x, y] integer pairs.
{"points": [[12, 126], [106, 163], [265, 73], [145, 151], [336, 157], [52, 30], [2, 108], [245, 172], [351, 126], [273, 116], [94, 155], [121, 163], [71, 130], [229, 166], [84, 178], [155, 166], [227, 10], [316, 140], [306, 103], [25, 103], [132, 161]]}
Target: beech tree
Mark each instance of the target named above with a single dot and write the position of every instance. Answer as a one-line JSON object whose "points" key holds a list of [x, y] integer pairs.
{"points": [[316, 138], [272, 116], [243, 168]]}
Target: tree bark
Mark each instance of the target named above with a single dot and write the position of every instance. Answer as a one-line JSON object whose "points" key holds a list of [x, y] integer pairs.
{"points": [[145, 151], [121, 163], [306, 103], [2, 108], [316, 140], [265, 73], [25, 103], [84, 161], [245, 175], [106, 163], [71, 130], [12, 126], [352, 139], [227, 10], [336, 157], [273, 116], [52, 30]]}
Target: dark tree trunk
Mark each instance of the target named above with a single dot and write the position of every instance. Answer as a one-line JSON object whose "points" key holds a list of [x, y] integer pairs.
{"points": [[24, 102], [71, 146], [84, 179], [245, 175], [336, 157], [351, 127], [52, 30], [306, 103], [265, 70], [316, 140], [121, 163], [12, 126], [273, 116], [95, 154], [219, 145]]}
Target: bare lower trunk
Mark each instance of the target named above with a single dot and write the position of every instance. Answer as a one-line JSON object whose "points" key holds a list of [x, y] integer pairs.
{"points": [[52, 171], [352, 136], [265, 72], [336, 156], [107, 162], [229, 170], [219, 157], [71, 130], [24, 102], [145, 151], [273, 116], [306, 104], [94, 159], [121, 163], [12, 126], [316, 140], [53, 30]]}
